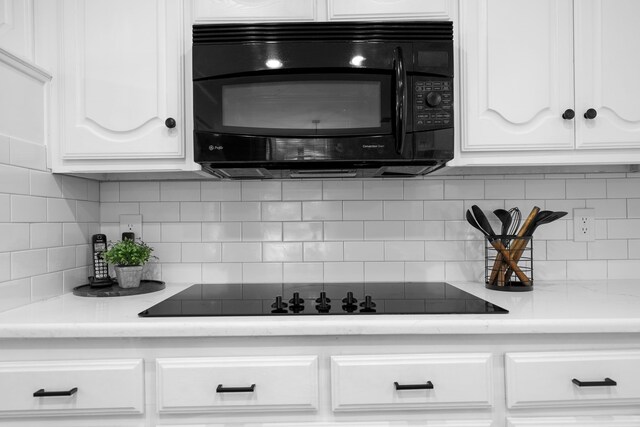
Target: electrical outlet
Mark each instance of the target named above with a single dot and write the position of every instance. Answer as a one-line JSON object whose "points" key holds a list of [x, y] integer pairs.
{"points": [[584, 225], [131, 223]]}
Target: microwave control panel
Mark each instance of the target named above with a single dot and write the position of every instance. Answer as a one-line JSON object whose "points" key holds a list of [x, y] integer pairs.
{"points": [[432, 103]]}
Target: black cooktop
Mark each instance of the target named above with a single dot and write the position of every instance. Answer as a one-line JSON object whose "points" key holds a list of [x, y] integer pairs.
{"points": [[289, 299]]}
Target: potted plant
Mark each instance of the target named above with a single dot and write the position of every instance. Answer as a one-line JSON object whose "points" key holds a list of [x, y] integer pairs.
{"points": [[128, 257]]}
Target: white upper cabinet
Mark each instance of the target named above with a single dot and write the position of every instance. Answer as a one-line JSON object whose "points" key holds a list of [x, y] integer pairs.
{"points": [[523, 96], [389, 9], [253, 10], [16, 27], [121, 86]]}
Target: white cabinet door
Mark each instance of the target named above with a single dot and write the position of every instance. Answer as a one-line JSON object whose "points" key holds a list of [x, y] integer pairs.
{"points": [[16, 27], [253, 10], [517, 68], [121, 79], [389, 9], [607, 43]]}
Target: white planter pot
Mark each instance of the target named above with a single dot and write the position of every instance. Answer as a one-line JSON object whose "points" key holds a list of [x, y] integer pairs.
{"points": [[129, 276]]}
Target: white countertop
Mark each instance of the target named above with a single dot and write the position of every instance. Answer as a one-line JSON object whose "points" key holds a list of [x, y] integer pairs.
{"points": [[558, 307]]}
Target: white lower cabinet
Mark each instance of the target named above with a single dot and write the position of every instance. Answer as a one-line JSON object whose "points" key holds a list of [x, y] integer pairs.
{"points": [[71, 387], [401, 382]]}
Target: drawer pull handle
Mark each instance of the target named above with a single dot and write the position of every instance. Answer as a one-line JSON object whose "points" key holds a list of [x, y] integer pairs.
{"points": [[608, 382], [42, 393], [222, 389], [426, 386]]}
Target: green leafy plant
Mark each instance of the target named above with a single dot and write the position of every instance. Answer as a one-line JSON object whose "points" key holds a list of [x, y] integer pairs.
{"points": [[128, 253]]}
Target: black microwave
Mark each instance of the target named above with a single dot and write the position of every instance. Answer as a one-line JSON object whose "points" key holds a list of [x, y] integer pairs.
{"points": [[323, 99]]}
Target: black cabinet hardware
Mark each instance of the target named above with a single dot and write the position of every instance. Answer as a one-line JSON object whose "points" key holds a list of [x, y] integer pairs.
{"points": [[590, 114], [170, 123], [223, 389], [568, 114], [608, 382], [42, 393], [426, 386]]}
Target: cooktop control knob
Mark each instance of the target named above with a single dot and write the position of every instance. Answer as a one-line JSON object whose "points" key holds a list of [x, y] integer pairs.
{"points": [[434, 99], [367, 305], [323, 305], [296, 304], [349, 303], [279, 306]]}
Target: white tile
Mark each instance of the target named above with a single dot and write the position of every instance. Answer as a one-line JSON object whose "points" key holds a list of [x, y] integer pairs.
{"points": [[240, 211], [94, 190], [109, 192], [261, 190], [221, 231], [30, 263], [28, 155], [633, 208], [623, 269], [180, 191], [586, 188], [62, 210], [182, 273], [623, 188], [301, 231], [281, 211], [241, 252], [110, 212], [201, 252], [46, 286], [167, 252], [384, 230], [262, 231], [321, 211], [75, 234], [75, 188], [343, 230], [181, 232], [365, 210], [423, 190], [453, 250], [45, 235], [634, 249], [222, 273], [45, 184], [282, 251], [262, 272], [461, 230], [504, 189], [556, 230], [405, 210], [303, 272], [5, 154], [549, 270], [140, 191], [5, 267], [323, 251], [607, 249], [423, 271], [566, 250], [586, 270], [342, 190], [424, 230], [160, 211], [74, 277], [384, 271], [464, 270], [61, 258], [474, 249], [444, 210], [363, 251], [623, 228], [88, 211], [301, 190], [216, 191], [383, 190], [84, 255], [151, 231], [5, 208], [14, 180], [336, 272], [15, 237], [112, 231], [464, 189], [404, 251], [610, 208], [199, 211], [15, 294], [565, 206], [545, 189]]}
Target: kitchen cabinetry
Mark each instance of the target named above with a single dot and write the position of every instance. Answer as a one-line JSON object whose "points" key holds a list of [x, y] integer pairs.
{"points": [[524, 96], [121, 89]]}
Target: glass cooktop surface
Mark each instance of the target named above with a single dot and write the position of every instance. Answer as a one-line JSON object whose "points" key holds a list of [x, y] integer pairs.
{"points": [[289, 299]]}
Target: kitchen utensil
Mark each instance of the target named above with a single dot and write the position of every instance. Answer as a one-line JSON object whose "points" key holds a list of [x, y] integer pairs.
{"points": [[505, 219], [486, 229], [516, 217]]}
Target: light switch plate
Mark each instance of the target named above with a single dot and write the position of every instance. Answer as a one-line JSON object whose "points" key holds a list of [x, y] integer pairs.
{"points": [[584, 225], [131, 223]]}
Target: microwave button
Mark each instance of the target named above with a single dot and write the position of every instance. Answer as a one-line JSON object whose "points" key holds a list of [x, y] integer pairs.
{"points": [[420, 122], [420, 83], [434, 99], [419, 95]]}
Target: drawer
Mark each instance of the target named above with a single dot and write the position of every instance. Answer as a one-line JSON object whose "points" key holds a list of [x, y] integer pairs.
{"points": [[547, 379], [229, 384], [411, 381], [92, 387]]}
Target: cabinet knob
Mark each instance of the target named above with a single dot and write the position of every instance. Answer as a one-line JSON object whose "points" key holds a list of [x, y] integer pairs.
{"points": [[170, 123], [568, 114], [590, 114]]}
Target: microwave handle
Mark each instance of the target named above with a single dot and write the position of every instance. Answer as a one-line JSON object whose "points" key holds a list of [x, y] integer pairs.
{"points": [[401, 98]]}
